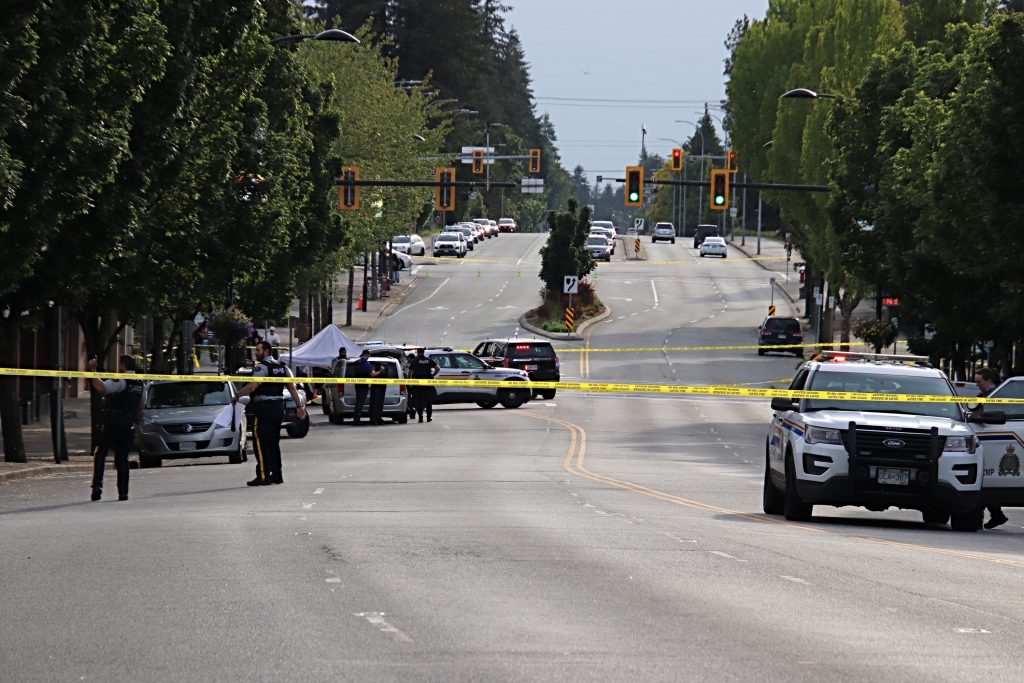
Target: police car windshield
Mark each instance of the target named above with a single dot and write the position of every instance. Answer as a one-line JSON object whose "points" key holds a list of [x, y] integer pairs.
{"points": [[862, 382], [187, 394]]}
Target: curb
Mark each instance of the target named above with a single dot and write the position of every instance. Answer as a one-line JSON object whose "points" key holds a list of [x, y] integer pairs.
{"points": [[386, 310], [566, 336], [44, 470]]}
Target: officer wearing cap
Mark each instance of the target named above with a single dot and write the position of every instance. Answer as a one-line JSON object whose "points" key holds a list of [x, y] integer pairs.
{"points": [[268, 413], [122, 401]]}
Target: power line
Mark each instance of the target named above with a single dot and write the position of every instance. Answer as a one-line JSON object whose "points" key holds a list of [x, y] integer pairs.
{"points": [[619, 99]]}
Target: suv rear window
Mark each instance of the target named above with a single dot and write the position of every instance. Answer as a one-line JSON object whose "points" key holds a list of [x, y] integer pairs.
{"points": [[532, 351], [782, 325]]}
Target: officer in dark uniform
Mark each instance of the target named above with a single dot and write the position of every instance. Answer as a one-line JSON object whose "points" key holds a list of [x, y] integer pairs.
{"points": [[268, 413], [122, 401], [377, 392], [361, 369], [422, 367], [987, 380]]}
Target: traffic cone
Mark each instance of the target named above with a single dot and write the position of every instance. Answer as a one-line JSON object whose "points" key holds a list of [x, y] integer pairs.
{"points": [[361, 306]]}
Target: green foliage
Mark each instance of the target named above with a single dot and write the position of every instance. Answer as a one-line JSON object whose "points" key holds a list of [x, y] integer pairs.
{"points": [[878, 333], [230, 326], [566, 252]]}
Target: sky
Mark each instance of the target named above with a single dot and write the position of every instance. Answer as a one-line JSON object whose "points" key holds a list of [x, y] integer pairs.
{"points": [[670, 51]]}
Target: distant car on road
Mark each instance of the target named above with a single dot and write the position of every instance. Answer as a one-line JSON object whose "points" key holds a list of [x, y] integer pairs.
{"points": [[714, 246], [178, 422], [486, 226], [450, 243], [703, 232], [664, 231], [409, 244], [607, 224], [506, 225], [468, 233], [536, 356], [599, 247], [777, 330], [606, 232]]}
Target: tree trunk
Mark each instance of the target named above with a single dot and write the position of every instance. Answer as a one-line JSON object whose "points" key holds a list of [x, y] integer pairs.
{"points": [[14, 443], [303, 314], [99, 330], [326, 299]]}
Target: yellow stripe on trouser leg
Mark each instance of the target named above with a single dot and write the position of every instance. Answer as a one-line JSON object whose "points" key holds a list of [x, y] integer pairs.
{"points": [[259, 448]]}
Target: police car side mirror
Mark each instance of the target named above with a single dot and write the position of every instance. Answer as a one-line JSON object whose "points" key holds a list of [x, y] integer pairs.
{"points": [[244, 400], [783, 404], [991, 417]]}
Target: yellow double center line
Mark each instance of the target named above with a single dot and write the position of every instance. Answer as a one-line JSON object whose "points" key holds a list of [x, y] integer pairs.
{"points": [[574, 463]]}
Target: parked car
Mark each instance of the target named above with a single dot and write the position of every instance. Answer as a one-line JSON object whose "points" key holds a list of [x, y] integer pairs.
{"points": [[409, 244], [293, 426], [776, 330], [450, 243], [340, 399], [486, 226], [714, 246], [534, 356], [506, 225], [664, 231], [459, 365], [178, 422], [468, 233], [608, 225], [599, 247], [494, 226], [606, 232], [403, 258]]}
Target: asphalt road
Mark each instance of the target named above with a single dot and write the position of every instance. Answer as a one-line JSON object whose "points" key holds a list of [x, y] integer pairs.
{"points": [[585, 538]]}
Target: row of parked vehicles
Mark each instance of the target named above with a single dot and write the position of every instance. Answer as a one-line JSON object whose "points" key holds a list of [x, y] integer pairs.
{"points": [[179, 418], [601, 240]]}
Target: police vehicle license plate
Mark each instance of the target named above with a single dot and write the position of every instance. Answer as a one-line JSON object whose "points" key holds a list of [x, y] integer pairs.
{"points": [[893, 476], [187, 446], [531, 367]]}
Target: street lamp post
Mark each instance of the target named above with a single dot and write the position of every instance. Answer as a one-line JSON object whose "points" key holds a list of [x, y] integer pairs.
{"points": [[487, 154], [675, 190], [700, 196], [332, 34]]}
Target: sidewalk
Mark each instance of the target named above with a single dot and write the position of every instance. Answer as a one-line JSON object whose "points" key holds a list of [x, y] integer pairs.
{"points": [[39, 447], [773, 260], [364, 322]]}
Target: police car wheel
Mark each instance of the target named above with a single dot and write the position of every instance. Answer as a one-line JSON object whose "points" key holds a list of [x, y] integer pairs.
{"points": [[966, 521], [548, 394], [512, 398], [794, 509], [238, 457], [487, 404], [935, 516], [772, 501], [146, 462], [401, 419], [760, 352]]}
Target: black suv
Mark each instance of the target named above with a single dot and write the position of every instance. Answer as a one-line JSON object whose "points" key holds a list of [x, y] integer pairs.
{"points": [[702, 232], [776, 330], [536, 356]]}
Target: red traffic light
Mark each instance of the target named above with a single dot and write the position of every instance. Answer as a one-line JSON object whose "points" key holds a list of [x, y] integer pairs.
{"points": [[677, 159]]}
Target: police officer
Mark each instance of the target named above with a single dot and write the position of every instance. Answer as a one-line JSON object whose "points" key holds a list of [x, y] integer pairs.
{"points": [[361, 369], [377, 392], [268, 413], [122, 401], [987, 380], [422, 367]]}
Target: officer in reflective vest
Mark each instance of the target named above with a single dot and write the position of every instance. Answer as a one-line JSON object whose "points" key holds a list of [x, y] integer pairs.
{"points": [[122, 401], [268, 413]]}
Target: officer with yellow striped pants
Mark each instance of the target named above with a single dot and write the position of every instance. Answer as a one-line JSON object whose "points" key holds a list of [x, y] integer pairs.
{"points": [[268, 413]]}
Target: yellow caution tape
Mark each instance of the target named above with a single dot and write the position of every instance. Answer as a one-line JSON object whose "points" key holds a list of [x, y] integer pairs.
{"points": [[585, 387], [659, 349]]}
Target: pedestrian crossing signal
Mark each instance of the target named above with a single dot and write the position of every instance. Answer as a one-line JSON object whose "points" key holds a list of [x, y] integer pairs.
{"points": [[478, 161], [719, 189], [444, 197], [348, 195], [535, 160], [634, 186]]}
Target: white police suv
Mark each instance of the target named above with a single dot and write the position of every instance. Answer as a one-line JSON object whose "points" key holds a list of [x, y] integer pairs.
{"points": [[875, 454]]}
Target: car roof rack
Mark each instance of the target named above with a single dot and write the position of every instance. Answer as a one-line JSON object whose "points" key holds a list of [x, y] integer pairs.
{"points": [[845, 356]]}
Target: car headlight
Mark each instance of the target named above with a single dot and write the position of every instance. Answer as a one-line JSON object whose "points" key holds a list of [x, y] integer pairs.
{"points": [[823, 435], [961, 444]]}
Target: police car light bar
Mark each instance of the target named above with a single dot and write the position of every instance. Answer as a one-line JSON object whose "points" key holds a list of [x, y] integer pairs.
{"points": [[843, 356]]}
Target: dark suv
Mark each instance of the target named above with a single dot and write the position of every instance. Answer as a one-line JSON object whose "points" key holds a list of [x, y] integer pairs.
{"points": [[536, 356], [776, 330], [702, 232]]}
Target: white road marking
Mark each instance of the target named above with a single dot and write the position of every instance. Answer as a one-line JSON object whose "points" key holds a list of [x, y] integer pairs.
{"points": [[431, 296], [308, 506], [655, 290], [318, 492], [794, 579], [333, 579], [726, 556], [972, 630], [377, 619]]}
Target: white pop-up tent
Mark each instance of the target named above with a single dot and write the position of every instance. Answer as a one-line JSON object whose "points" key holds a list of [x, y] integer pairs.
{"points": [[321, 349]]}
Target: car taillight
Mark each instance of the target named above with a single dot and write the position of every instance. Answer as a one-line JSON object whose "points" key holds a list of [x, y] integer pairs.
{"points": [[402, 390], [558, 363], [766, 333]]}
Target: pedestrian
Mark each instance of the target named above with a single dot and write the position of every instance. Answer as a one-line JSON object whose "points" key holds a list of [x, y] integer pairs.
{"points": [[410, 404], [268, 413], [422, 367], [122, 402], [987, 380], [275, 342], [396, 265], [361, 369], [199, 339], [377, 392]]}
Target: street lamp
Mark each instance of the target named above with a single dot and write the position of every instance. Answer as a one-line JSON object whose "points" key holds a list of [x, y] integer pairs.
{"points": [[675, 189], [437, 103], [700, 196], [465, 112], [333, 34], [487, 152], [806, 94]]}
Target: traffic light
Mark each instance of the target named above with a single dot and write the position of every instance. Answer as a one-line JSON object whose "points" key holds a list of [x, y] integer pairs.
{"points": [[348, 195], [478, 161], [634, 186], [535, 160], [720, 189], [733, 168], [444, 197], [677, 159]]}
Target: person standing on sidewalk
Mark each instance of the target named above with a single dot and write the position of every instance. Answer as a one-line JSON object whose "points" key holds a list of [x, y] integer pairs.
{"points": [[122, 401], [275, 341], [987, 380], [422, 367], [268, 413]]}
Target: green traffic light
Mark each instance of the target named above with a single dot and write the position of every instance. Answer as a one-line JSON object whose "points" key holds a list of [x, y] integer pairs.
{"points": [[719, 200], [634, 196]]}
